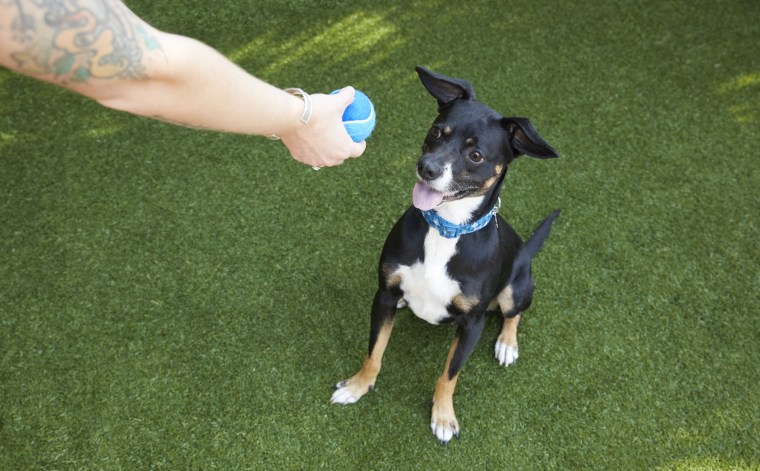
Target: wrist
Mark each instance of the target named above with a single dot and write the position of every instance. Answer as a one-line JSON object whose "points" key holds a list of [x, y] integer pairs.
{"points": [[303, 105], [307, 105]]}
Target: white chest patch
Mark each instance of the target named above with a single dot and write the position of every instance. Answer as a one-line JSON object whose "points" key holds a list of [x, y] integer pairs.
{"points": [[427, 287]]}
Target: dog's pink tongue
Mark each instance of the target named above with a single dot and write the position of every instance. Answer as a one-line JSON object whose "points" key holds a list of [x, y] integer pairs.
{"points": [[425, 198]]}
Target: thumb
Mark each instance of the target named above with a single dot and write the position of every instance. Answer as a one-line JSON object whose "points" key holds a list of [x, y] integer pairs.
{"points": [[346, 96]]}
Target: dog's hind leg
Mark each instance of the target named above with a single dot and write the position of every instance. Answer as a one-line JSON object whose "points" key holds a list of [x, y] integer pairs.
{"points": [[517, 296], [506, 350]]}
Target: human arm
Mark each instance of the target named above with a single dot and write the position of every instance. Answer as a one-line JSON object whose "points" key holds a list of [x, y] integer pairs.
{"points": [[103, 51]]}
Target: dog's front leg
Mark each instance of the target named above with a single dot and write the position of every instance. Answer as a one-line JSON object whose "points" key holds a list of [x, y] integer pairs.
{"points": [[383, 314], [443, 420]]}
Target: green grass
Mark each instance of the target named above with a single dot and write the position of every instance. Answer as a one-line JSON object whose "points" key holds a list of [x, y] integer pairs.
{"points": [[179, 299]]}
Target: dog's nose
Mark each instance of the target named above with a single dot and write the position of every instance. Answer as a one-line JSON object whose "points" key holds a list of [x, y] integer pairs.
{"points": [[429, 169]]}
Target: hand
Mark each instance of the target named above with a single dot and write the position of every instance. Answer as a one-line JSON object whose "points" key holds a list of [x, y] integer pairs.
{"points": [[323, 141]]}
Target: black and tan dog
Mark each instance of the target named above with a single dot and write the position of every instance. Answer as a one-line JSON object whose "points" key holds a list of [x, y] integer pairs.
{"points": [[451, 257]]}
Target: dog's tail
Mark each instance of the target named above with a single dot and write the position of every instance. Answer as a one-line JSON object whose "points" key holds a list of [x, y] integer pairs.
{"points": [[536, 241]]}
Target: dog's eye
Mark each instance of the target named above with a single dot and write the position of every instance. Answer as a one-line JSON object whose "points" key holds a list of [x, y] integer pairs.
{"points": [[435, 132], [476, 156]]}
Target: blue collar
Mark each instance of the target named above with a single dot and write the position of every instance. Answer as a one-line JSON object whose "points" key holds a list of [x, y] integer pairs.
{"points": [[450, 230]]}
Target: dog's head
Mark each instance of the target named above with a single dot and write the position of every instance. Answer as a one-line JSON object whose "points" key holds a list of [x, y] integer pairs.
{"points": [[468, 148]]}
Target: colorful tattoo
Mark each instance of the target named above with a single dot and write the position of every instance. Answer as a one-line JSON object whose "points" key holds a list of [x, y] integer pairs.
{"points": [[80, 39]]}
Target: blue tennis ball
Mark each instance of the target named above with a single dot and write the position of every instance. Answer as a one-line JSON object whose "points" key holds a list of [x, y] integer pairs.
{"points": [[359, 117]]}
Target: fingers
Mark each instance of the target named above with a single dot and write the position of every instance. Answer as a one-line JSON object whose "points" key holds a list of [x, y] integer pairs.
{"points": [[324, 141], [352, 149], [346, 96], [358, 148]]}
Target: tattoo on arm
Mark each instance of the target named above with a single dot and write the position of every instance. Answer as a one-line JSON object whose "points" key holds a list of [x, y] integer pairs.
{"points": [[79, 40]]}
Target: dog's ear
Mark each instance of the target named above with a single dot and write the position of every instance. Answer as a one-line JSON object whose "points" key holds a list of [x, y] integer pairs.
{"points": [[444, 89], [524, 139]]}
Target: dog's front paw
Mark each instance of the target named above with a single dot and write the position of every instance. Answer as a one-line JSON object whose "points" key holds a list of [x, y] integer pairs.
{"points": [[350, 391], [444, 424], [505, 354]]}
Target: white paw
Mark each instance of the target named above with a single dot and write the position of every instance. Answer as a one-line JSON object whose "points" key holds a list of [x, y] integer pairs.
{"points": [[401, 304], [505, 354], [444, 423], [345, 394], [444, 433]]}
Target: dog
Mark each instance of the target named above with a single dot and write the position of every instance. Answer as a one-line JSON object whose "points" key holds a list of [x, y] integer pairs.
{"points": [[451, 257]]}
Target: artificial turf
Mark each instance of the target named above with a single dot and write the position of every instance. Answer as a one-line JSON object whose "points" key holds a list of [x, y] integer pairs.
{"points": [[179, 299]]}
